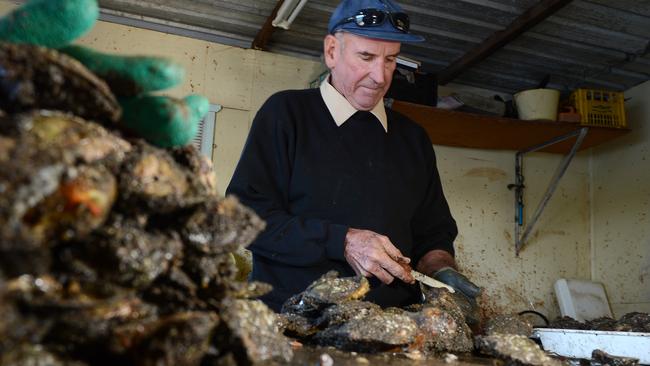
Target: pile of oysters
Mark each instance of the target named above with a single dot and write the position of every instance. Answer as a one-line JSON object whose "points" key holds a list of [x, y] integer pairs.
{"points": [[114, 251]]}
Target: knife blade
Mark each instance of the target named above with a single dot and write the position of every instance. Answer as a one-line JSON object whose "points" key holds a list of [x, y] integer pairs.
{"points": [[430, 281]]}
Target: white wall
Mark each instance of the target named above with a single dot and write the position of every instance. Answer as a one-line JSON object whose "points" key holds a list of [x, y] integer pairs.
{"points": [[621, 210], [474, 180]]}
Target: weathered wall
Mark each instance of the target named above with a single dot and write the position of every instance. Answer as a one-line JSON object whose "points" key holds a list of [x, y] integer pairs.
{"points": [[621, 210], [476, 187], [475, 180]]}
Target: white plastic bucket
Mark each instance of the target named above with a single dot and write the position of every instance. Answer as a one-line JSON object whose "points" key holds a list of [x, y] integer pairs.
{"points": [[537, 104]]}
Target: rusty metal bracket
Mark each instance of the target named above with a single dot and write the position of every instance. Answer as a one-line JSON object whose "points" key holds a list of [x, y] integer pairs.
{"points": [[518, 186]]}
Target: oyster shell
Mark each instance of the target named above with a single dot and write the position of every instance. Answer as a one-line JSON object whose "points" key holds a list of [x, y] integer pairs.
{"points": [[567, 322], [251, 333], [604, 358], [181, 339], [634, 322], [221, 226], [295, 325], [372, 333], [152, 181], [34, 77], [343, 312], [56, 183], [33, 355], [329, 289], [440, 331], [124, 253], [174, 291], [630, 322], [200, 166], [515, 350]]}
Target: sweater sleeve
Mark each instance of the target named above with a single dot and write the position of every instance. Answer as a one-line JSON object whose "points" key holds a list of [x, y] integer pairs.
{"points": [[433, 226], [261, 181]]}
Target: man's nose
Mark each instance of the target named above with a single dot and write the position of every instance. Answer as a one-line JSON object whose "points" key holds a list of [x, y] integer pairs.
{"points": [[377, 72]]}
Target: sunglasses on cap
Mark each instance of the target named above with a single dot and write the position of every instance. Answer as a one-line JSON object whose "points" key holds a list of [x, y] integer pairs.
{"points": [[375, 17]]}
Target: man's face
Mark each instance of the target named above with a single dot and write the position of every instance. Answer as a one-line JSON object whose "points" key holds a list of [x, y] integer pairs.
{"points": [[361, 68]]}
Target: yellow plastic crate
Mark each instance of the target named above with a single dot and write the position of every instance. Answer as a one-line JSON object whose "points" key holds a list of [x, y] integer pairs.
{"points": [[600, 107]]}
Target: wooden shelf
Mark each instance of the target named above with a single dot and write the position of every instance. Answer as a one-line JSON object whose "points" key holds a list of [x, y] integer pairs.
{"points": [[461, 129]]}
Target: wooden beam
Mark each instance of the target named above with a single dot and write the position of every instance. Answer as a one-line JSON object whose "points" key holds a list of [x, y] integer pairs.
{"points": [[524, 22], [264, 34]]}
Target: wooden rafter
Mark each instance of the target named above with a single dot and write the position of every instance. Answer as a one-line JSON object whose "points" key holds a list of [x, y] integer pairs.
{"points": [[264, 34], [524, 22]]}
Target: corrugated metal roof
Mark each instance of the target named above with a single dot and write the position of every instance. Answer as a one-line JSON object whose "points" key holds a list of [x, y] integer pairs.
{"points": [[587, 43]]}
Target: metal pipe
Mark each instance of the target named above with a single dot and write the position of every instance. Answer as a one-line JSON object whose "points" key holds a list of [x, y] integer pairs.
{"points": [[554, 182]]}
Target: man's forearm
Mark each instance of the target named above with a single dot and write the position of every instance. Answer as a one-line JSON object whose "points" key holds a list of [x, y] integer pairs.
{"points": [[435, 260]]}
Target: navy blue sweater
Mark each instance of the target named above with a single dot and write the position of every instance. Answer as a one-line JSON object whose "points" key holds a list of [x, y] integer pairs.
{"points": [[311, 180]]}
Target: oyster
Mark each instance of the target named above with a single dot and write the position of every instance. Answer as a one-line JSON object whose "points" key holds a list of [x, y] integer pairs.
{"points": [[181, 339], [374, 332], [567, 322], [295, 325], [151, 180], [34, 77], [329, 289], [604, 358], [200, 166], [221, 226], [440, 331], [64, 138], [456, 304], [343, 312], [56, 183], [250, 332], [33, 355], [249, 290], [630, 322], [86, 331], [603, 323], [174, 291], [515, 350], [124, 253], [634, 322]]}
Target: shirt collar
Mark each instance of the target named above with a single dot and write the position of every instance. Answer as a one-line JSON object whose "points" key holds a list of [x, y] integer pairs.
{"points": [[341, 110]]}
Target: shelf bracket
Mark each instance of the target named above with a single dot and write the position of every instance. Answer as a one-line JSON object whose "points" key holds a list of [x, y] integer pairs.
{"points": [[518, 186]]}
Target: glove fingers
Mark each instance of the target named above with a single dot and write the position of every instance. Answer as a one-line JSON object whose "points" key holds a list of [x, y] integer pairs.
{"points": [[66, 21], [468, 288]]}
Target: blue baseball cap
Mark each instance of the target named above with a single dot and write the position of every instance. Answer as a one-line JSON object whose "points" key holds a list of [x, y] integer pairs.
{"points": [[379, 19]]}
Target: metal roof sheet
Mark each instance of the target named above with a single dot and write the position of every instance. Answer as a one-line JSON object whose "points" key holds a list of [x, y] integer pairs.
{"points": [[587, 43]]}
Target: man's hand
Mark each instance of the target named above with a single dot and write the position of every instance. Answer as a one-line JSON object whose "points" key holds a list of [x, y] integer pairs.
{"points": [[371, 254]]}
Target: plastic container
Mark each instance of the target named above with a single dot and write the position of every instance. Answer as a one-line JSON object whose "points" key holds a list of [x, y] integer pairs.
{"points": [[580, 343], [601, 108], [537, 104], [581, 299]]}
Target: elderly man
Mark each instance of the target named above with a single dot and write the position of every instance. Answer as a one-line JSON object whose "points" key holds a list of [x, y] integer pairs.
{"points": [[342, 182]]}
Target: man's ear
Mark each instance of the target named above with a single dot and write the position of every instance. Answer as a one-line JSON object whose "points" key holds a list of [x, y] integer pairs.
{"points": [[330, 46]]}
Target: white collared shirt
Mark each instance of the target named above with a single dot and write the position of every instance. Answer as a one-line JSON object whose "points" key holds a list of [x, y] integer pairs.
{"points": [[341, 110]]}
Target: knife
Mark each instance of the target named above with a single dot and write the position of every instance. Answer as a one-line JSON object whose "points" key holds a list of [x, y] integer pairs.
{"points": [[430, 281]]}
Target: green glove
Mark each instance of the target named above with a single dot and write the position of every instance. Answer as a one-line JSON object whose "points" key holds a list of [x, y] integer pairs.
{"points": [[49, 23], [128, 76], [466, 293], [164, 121], [458, 281]]}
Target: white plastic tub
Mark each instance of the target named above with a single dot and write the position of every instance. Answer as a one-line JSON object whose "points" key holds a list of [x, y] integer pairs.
{"points": [[537, 104], [580, 343]]}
